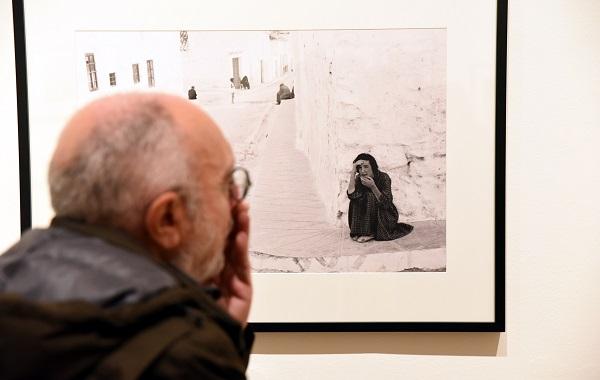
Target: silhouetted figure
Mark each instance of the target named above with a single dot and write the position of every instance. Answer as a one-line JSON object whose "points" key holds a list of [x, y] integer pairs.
{"points": [[232, 86], [284, 93], [245, 83], [192, 93]]}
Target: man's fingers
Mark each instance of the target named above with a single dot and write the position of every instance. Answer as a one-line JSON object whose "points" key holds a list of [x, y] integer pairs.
{"points": [[243, 219], [243, 258], [241, 242], [239, 263], [240, 289]]}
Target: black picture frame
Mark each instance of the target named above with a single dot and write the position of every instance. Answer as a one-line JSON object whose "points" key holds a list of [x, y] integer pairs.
{"points": [[497, 325]]}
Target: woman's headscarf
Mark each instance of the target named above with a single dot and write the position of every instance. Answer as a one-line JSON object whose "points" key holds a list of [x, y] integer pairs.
{"points": [[372, 162]]}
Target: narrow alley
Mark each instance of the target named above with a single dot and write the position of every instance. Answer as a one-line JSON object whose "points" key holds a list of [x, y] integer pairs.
{"points": [[290, 232]]}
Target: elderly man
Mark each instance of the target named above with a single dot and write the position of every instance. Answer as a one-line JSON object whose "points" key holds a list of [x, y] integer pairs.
{"points": [[144, 271]]}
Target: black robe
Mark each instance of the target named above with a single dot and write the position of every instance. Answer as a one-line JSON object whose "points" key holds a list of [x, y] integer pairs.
{"points": [[369, 217]]}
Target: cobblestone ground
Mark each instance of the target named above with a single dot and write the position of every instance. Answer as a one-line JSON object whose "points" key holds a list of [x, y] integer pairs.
{"points": [[240, 121]]}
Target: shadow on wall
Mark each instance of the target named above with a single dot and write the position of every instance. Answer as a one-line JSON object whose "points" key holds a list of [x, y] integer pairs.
{"points": [[446, 344]]}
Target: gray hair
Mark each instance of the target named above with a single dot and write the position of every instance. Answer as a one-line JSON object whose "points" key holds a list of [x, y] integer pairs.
{"points": [[131, 156]]}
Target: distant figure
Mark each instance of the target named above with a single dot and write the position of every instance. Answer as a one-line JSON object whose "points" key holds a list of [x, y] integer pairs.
{"points": [[372, 214], [192, 93], [232, 85], [284, 93], [245, 83]]}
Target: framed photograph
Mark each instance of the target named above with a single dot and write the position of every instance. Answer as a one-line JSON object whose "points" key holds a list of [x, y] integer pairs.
{"points": [[374, 137]]}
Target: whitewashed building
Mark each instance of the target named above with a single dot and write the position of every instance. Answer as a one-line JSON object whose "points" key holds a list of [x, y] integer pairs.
{"points": [[211, 59], [108, 62], [381, 92], [173, 61]]}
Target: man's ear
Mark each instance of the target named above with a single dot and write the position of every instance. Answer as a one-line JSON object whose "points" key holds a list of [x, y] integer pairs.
{"points": [[167, 222]]}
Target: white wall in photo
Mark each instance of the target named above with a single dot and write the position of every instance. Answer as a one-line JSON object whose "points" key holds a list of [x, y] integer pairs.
{"points": [[381, 92], [156, 54], [211, 58]]}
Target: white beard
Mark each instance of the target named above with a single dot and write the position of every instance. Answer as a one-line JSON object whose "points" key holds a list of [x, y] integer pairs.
{"points": [[201, 261]]}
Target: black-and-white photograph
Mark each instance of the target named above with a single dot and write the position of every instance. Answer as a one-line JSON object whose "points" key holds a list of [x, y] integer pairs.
{"points": [[343, 133]]}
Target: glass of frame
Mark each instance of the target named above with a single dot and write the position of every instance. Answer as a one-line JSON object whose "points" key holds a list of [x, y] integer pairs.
{"points": [[420, 87]]}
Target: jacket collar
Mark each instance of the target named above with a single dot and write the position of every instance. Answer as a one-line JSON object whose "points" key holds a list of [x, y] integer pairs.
{"points": [[125, 241]]}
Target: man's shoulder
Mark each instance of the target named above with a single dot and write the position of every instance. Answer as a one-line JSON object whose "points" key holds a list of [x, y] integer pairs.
{"points": [[58, 264], [213, 346], [176, 334], [191, 338]]}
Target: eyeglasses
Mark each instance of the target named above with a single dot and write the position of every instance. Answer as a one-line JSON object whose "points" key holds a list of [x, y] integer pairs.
{"points": [[240, 181]]}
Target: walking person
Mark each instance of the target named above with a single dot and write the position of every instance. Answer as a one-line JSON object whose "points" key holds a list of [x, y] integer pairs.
{"points": [[192, 93]]}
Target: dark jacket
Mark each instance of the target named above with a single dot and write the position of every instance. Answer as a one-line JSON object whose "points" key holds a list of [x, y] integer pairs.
{"points": [[85, 302], [284, 92]]}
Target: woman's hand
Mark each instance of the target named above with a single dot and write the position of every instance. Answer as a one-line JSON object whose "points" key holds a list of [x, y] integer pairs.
{"points": [[370, 184], [352, 182], [367, 181]]}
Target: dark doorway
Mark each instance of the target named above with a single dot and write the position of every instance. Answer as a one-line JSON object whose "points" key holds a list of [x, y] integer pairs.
{"points": [[262, 72], [236, 72]]}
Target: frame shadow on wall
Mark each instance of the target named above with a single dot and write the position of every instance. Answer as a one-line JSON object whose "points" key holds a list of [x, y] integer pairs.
{"points": [[399, 343]]}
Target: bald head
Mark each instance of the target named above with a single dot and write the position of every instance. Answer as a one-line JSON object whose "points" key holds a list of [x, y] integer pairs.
{"points": [[118, 153], [118, 114]]}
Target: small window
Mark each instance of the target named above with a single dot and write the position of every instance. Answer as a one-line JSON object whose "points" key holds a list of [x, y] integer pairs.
{"points": [[90, 64], [150, 67], [136, 73], [113, 79]]}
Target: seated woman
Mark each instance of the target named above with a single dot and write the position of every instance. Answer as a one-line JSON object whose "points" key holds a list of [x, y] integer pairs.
{"points": [[245, 83], [372, 214], [284, 93]]}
